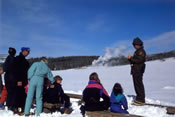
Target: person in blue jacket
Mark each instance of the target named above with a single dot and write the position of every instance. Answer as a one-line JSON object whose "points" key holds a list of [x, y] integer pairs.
{"points": [[118, 100], [36, 75]]}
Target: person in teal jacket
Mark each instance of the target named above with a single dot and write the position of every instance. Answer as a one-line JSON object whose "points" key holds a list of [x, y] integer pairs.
{"points": [[36, 74]]}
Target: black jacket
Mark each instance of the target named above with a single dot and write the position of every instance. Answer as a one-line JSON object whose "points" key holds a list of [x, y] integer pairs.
{"points": [[54, 95], [92, 94], [21, 69], [138, 61], [9, 69]]}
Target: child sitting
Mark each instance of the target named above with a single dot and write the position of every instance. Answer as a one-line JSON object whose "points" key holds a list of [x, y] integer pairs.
{"points": [[55, 94], [3, 92], [118, 100]]}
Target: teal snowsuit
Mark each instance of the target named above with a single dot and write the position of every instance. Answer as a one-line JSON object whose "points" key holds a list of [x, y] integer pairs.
{"points": [[36, 74]]}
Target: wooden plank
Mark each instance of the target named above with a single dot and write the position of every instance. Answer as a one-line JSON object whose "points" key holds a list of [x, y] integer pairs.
{"points": [[108, 114], [77, 96], [170, 109]]}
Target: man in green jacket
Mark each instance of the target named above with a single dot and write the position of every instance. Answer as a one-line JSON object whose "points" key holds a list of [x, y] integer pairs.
{"points": [[137, 69], [36, 75]]}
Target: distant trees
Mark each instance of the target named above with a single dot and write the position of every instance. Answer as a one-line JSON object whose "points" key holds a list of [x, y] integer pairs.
{"points": [[69, 62]]}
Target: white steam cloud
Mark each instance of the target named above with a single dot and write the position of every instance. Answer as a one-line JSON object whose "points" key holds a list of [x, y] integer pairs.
{"points": [[110, 53]]}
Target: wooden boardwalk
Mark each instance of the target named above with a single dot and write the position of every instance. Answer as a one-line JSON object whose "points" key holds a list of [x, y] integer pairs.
{"points": [[170, 109]]}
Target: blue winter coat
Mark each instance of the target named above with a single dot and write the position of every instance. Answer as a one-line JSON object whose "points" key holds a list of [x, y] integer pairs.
{"points": [[118, 103]]}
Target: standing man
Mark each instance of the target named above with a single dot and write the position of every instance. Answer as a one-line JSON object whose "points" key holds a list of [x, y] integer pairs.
{"points": [[137, 69], [21, 66], [10, 81], [9, 78]]}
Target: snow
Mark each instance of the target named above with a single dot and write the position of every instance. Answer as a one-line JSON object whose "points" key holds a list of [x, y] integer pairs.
{"points": [[158, 79]]}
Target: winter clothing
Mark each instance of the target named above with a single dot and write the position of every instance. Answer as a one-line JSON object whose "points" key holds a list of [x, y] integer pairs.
{"points": [[57, 95], [10, 81], [3, 96], [92, 94], [21, 68], [36, 75], [137, 69], [118, 103], [25, 48]]}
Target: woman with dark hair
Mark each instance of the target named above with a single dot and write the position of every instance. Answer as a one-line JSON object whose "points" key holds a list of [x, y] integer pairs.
{"points": [[118, 100], [92, 94]]}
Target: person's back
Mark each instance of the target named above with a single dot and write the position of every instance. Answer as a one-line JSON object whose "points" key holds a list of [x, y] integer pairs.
{"points": [[92, 94], [36, 74], [118, 100]]}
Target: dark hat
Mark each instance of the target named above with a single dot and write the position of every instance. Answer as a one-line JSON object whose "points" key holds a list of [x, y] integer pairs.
{"points": [[25, 48], [12, 51], [137, 41]]}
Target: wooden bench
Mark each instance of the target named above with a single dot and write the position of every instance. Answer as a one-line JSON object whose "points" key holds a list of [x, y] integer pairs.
{"points": [[108, 114], [170, 109], [49, 108]]}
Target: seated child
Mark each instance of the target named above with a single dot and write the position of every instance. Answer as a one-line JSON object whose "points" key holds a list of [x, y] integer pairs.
{"points": [[118, 100], [55, 94], [92, 94], [3, 92]]}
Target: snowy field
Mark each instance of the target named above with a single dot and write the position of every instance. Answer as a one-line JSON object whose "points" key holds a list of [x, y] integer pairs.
{"points": [[159, 81]]}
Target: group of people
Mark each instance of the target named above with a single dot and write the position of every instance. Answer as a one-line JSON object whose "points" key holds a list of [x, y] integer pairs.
{"points": [[117, 102], [24, 82], [96, 98]]}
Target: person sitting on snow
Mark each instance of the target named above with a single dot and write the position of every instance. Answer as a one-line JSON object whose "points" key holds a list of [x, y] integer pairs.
{"points": [[55, 95], [118, 100], [92, 94], [3, 91]]}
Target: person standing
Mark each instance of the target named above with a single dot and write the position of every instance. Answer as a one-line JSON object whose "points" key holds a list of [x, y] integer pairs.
{"points": [[21, 68], [36, 75], [137, 69], [10, 81]]}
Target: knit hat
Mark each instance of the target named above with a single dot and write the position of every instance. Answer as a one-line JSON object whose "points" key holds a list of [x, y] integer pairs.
{"points": [[12, 51], [25, 48], [137, 41]]}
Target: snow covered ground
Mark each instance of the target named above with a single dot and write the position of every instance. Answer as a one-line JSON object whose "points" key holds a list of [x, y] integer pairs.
{"points": [[159, 81]]}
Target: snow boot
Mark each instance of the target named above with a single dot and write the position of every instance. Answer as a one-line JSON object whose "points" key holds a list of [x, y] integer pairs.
{"points": [[137, 103]]}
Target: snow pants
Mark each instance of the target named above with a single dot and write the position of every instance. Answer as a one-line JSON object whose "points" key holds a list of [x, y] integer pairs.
{"points": [[139, 87], [35, 85]]}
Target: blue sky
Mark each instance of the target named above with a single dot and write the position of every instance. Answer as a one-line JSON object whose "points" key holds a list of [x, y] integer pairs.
{"points": [[55, 28]]}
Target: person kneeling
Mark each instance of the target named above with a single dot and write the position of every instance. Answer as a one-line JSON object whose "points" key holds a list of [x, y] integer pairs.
{"points": [[118, 100], [56, 95]]}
